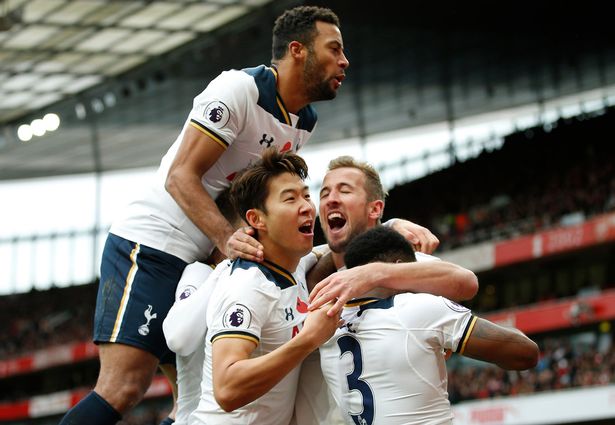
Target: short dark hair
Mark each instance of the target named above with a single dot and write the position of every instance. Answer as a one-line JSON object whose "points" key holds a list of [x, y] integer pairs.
{"points": [[379, 244], [251, 188], [227, 208], [298, 24]]}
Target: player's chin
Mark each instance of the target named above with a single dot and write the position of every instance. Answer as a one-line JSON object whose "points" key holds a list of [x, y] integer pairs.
{"points": [[336, 241], [305, 238], [335, 86]]}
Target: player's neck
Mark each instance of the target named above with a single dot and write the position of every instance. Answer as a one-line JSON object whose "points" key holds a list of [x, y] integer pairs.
{"points": [[280, 257], [338, 259], [378, 293], [290, 87]]}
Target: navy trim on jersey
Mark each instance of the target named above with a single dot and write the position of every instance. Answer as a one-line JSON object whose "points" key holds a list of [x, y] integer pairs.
{"points": [[281, 277], [217, 138], [356, 302], [382, 303], [269, 99], [466, 334], [236, 334]]}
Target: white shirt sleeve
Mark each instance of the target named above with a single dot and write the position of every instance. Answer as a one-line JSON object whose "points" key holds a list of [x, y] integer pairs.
{"points": [[421, 256], [445, 319], [241, 305], [185, 325], [220, 110], [307, 262]]}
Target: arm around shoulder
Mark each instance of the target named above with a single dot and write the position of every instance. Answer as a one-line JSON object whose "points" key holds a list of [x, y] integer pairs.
{"points": [[431, 277]]}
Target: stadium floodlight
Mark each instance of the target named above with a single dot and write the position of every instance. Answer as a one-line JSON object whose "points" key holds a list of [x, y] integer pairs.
{"points": [[109, 99], [24, 132], [80, 111], [97, 105], [52, 122], [38, 127]]}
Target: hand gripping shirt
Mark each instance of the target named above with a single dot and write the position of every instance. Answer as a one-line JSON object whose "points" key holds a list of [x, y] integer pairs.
{"points": [[267, 305], [386, 364], [242, 112]]}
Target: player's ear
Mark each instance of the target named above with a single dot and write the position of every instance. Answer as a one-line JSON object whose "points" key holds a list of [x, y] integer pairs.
{"points": [[255, 219], [297, 50], [375, 209]]}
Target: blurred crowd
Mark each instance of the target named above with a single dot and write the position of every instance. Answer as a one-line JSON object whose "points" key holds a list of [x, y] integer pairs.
{"points": [[42, 319], [540, 178], [562, 365], [148, 413]]}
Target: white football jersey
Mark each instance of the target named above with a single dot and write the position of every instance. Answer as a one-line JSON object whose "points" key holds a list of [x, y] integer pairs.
{"points": [[263, 303], [314, 403], [185, 326], [241, 111], [386, 364]]}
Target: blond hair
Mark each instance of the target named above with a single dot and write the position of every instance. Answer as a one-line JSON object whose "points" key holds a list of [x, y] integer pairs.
{"points": [[373, 185]]}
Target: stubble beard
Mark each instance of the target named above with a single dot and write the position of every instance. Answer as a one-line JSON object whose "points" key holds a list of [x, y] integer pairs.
{"points": [[318, 87], [340, 246]]}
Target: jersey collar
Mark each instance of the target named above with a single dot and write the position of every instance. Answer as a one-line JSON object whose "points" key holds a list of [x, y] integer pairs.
{"points": [[369, 303], [278, 98], [281, 277]]}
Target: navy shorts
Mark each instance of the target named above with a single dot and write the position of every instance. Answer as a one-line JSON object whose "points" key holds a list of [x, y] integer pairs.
{"points": [[136, 290]]}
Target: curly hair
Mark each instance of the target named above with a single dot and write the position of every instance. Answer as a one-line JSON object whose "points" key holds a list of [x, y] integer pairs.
{"points": [[298, 24], [379, 244]]}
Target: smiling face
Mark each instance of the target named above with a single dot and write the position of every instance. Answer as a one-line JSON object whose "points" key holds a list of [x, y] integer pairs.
{"points": [[325, 64], [345, 211], [286, 227]]}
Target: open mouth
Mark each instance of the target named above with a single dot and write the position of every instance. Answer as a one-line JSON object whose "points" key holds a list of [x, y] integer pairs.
{"points": [[336, 221], [338, 80], [306, 228]]}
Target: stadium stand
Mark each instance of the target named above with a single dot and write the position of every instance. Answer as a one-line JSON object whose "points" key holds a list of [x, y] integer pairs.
{"points": [[535, 219], [542, 177], [562, 294]]}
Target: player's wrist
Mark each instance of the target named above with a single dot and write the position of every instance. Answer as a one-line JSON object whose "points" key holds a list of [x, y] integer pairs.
{"points": [[377, 274], [307, 340]]}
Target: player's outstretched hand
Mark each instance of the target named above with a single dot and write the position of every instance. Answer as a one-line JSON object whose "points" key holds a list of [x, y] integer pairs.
{"points": [[320, 326], [341, 287], [242, 244], [420, 237]]}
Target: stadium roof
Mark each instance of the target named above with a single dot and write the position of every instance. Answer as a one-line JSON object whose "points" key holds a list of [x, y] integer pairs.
{"points": [[121, 75], [53, 49]]}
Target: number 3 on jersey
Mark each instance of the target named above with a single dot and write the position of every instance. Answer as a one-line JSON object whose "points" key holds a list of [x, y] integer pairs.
{"points": [[349, 344]]}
